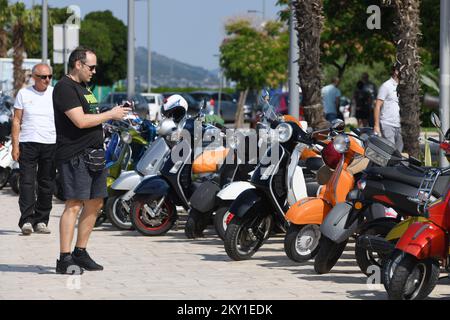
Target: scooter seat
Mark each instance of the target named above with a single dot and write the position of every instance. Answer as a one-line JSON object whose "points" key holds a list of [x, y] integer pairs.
{"points": [[411, 177], [314, 163]]}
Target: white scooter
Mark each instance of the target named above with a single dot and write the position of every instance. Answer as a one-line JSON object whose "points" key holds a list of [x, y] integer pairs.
{"points": [[6, 162]]}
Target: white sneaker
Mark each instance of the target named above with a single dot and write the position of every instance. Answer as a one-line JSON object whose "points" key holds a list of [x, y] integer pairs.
{"points": [[27, 229], [42, 228]]}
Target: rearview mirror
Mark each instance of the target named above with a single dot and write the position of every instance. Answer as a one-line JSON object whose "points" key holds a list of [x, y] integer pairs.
{"points": [[338, 125], [435, 120]]}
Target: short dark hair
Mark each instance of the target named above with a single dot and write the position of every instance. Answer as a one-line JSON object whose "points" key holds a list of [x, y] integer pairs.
{"points": [[78, 54]]}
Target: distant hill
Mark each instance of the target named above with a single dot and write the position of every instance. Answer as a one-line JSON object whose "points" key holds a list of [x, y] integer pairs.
{"points": [[167, 72]]}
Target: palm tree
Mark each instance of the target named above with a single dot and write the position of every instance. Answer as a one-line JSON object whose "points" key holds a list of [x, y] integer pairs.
{"points": [[309, 27], [3, 33], [23, 22], [407, 36]]}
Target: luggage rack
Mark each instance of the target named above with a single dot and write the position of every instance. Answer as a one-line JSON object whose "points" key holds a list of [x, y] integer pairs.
{"points": [[424, 193]]}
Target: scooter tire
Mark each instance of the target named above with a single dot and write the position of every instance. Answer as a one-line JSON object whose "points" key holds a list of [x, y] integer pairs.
{"points": [[329, 253], [234, 234], [14, 182], [4, 176], [195, 224], [111, 207], [364, 258], [290, 245], [428, 271], [146, 230], [101, 218], [220, 221]]}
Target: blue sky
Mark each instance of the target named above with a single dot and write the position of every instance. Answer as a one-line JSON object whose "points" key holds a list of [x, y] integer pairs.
{"points": [[187, 30]]}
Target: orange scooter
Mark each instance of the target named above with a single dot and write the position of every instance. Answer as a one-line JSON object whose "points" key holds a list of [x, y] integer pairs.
{"points": [[301, 242]]}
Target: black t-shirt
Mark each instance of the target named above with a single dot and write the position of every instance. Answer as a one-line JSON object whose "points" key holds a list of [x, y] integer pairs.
{"points": [[71, 140]]}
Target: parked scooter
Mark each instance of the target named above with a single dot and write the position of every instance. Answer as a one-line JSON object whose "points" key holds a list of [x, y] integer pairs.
{"points": [[412, 271], [6, 162], [153, 206], [126, 143], [277, 183], [364, 212], [302, 239], [122, 189], [204, 201]]}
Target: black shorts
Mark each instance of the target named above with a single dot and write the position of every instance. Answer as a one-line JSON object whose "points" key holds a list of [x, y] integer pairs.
{"points": [[78, 183]]}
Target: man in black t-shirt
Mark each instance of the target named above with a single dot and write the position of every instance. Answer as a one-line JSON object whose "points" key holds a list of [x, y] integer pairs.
{"points": [[78, 132]]}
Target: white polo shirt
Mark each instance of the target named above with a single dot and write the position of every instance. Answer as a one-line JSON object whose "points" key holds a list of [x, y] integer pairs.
{"points": [[38, 121], [390, 110]]}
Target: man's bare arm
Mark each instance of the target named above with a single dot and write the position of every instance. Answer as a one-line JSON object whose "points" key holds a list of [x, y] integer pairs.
{"points": [[376, 115], [85, 120], [15, 131]]}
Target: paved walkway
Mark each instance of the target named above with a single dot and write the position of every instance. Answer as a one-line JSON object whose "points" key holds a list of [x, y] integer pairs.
{"points": [[167, 267]]}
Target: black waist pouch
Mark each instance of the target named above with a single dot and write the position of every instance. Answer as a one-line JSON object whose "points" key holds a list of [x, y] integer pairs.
{"points": [[94, 159]]}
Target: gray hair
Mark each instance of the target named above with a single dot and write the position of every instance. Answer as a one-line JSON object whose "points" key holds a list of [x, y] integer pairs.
{"points": [[41, 64]]}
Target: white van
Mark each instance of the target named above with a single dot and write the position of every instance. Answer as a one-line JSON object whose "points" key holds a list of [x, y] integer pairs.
{"points": [[155, 101]]}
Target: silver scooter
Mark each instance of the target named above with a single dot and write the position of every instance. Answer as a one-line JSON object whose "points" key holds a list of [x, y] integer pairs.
{"points": [[118, 204]]}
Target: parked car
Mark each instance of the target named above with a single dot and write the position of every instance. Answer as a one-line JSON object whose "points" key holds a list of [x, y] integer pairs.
{"points": [[117, 98], [155, 101], [228, 104], [193, 104]]}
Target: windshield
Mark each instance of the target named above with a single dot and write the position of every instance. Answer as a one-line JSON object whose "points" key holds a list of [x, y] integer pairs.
{"points": [[269, 111], [116, 98]]}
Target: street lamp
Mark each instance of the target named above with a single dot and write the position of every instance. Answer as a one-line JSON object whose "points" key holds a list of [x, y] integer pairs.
{"points": [[130, 51], [294, 94], [220, 86], [149, 51], [44, 33]]}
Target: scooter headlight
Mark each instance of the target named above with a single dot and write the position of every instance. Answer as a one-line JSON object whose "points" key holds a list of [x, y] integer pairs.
{"points": [[284, 131], [341, 143], [126, 137]]}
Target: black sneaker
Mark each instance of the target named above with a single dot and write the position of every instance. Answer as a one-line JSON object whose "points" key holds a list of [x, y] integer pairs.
{"points": [[68, 266], [85, 261]]}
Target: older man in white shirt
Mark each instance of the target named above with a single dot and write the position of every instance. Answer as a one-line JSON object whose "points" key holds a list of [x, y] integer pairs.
{"points": [[34, 144]]}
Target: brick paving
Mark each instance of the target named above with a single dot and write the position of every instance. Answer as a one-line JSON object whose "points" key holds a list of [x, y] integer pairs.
{"points": [[167, 267]]}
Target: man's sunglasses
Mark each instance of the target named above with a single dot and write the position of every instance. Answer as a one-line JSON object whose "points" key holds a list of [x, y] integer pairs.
{"points": [[91, 68], [44, 76]]}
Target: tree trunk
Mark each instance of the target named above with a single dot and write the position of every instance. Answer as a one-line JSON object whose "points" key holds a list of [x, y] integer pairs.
{"points": [[3, 43], [309, 27], [407, 38], [18, 45], [239, 120]]}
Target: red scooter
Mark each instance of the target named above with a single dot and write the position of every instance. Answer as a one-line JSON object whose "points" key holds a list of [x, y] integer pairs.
{"points": [[412, 272]]}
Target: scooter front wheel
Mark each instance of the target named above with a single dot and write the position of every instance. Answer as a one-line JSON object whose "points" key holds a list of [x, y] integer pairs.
{"points": [[302, 242], [413, 279], [195, 224], [328, 254], [150, 223], [220, 221], [244, 236], [4, 176], [118, 214]]}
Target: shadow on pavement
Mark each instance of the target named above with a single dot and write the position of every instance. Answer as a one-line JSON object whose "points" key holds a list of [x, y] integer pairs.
{"points": [[27, 268], [9, 232]]}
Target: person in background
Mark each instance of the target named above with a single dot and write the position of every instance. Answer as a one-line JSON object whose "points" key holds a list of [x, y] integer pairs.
{"points": [[370, 91], [33, 145], [331, 100], [387, 110]]}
